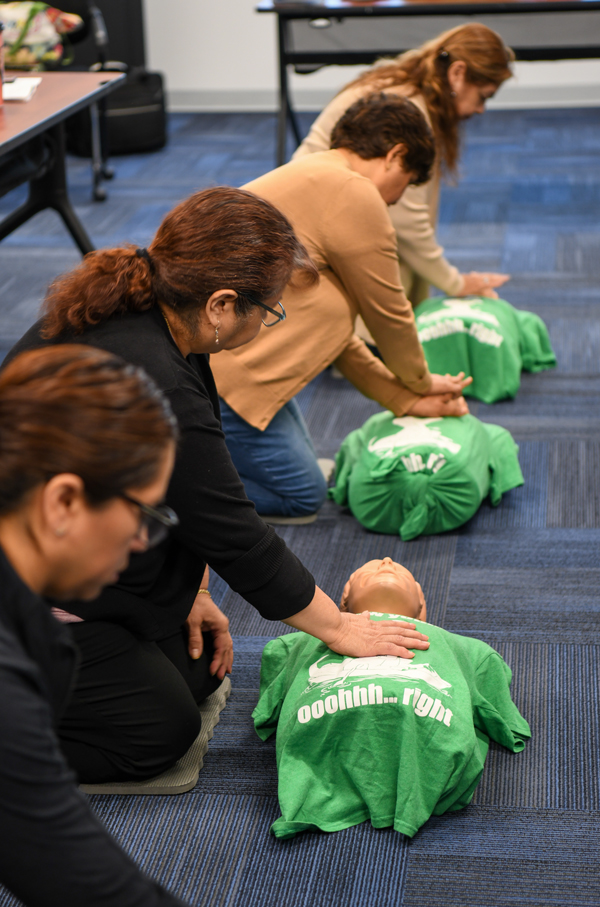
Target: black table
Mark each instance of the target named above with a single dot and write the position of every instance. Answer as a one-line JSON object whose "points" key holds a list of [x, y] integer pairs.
{"points": [[316, 33], [36, 129]]}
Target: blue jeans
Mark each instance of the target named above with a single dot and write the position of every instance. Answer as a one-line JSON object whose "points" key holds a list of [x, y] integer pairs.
{"points": [[278, 466]]}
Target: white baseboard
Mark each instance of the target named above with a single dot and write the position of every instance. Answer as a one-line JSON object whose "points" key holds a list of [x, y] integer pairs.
{"points": [[531, 96], [265, 100]]}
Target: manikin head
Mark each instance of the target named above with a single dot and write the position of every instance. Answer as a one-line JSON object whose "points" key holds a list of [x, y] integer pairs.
{"points": [[386, 587]]}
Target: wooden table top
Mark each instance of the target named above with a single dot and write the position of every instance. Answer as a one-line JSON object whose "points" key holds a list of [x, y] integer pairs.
{"points": [[314, 8], [59, 95]]}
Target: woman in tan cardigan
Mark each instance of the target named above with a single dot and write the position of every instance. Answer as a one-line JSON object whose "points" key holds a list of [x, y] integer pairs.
{"points": [[449, 79], [337, 202]]}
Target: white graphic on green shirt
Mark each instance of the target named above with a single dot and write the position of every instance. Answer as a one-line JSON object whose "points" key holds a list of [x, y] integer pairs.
{"points": [[380, 667], [459, 308], [348, 674], [449, 320], [415, 432]]}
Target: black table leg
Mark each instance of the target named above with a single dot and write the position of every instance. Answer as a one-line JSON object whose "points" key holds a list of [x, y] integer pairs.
{"points": [[284, 100], [50, 191], [294, 123]]}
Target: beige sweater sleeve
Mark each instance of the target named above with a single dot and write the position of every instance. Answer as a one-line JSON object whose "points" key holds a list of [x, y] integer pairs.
{"points": [[417, 243], [359, 244], [371, 377], [412, 217]]}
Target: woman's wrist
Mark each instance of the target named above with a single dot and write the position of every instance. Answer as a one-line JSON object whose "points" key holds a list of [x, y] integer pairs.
{"points": [[321, 618]]}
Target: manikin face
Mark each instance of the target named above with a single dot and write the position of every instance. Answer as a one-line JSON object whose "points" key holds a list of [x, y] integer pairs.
{"points": [[386, 587]]}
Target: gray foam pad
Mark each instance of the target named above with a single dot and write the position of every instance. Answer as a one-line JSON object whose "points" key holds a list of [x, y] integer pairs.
{"points": [[183, 775]]}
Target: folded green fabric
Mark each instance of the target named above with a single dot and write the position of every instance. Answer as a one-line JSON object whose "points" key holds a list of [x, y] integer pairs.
{"points": [[486, 338], [416, 476]]}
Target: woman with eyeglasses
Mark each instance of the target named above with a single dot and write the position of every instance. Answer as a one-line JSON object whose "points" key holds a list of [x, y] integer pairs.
{"points": [[450, 79], [87, 445], [207, 282]]}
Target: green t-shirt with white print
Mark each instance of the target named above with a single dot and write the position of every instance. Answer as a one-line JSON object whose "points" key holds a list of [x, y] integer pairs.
{"points": [[487, 339], [385, 739], [420, 476]]}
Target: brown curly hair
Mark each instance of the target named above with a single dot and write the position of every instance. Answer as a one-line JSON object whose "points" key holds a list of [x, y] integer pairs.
{"points": [[373, 125], [425, 71], [216, 239]]}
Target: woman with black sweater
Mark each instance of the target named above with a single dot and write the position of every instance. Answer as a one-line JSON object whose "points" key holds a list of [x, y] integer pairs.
{"points": [[154, 644]]}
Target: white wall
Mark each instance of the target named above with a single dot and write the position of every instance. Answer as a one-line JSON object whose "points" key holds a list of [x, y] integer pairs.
{"points": [[223, 56]]}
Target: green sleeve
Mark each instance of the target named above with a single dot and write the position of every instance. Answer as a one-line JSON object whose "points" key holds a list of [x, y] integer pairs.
{"points": [[345, 460], [494, 712], [505, 471], [534, 342], [273, 671]]}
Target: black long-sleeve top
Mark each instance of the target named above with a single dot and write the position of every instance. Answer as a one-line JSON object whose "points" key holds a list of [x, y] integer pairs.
{"points": [[218, 526], [53, 850]]}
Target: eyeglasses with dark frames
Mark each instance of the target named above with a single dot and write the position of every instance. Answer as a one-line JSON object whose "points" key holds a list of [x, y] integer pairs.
{"points": [[155, 522], [279, 316]]}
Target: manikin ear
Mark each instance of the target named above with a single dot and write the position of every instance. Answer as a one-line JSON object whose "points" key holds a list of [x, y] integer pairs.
{"points": [[218, 304], [457, 75], [345, 594], [62, 502], [395, 155], [422, 615]]}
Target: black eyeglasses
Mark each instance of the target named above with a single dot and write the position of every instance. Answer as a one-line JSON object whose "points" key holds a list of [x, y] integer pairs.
{"points": [[155, 522], [279, 316]]}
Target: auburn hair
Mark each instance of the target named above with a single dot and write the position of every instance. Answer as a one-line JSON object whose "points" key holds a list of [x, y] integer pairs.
{"points": [[373, 125], [220, 238], [78, 409], [424, 71]]}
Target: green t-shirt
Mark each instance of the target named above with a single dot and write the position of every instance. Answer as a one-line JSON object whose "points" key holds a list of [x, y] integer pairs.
{"points": [[417, 476], [487, 339], [385, 739]]}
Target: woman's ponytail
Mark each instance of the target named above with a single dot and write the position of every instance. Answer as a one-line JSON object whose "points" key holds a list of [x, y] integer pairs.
{"points": [[106, 283]]}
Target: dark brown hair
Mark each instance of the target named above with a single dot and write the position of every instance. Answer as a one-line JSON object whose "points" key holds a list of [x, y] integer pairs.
{"points": [[73, 408], [373, 125], [425, 71], [219, 238]]}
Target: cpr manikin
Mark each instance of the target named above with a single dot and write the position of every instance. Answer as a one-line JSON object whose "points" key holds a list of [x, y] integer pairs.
{"points": [[386, 587], [382, 739]]}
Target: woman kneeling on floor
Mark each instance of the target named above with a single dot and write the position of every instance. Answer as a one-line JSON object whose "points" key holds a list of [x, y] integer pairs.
{"points": [[154, 645]]}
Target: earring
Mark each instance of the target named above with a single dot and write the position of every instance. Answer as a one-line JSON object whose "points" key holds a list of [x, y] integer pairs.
{"points": [[217, 334], [60, 532], [452, 94]]}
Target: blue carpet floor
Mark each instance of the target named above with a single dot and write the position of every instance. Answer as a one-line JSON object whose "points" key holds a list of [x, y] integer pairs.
{"points": [[524, 576]]}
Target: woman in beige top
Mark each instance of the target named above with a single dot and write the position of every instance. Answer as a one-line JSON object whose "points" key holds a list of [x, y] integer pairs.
{"points": [[449, 79], [337, 203]]}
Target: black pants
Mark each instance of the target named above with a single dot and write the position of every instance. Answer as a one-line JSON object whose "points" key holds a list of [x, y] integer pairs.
{"points": [[134, 709]]}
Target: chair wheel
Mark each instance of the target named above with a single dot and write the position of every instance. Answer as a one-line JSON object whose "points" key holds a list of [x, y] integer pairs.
{"points": [[99, 194], [108, 173]]}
